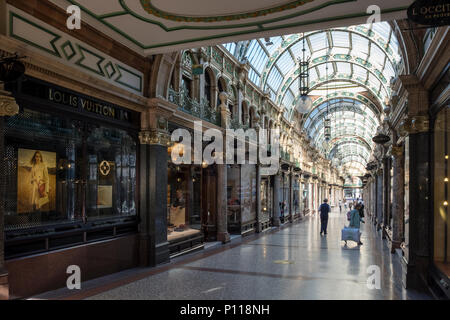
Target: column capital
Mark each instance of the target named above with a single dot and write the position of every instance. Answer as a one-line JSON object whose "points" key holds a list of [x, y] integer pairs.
{"points": [[414, 124], [154, 137], [8, 105], [397, 152]]}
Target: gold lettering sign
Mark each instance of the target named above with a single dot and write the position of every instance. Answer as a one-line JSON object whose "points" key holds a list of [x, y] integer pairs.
{"points": [[86, 104], [430, 12]]}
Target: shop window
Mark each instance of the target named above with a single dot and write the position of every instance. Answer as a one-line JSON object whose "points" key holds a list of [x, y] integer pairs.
{"points": [[304, 202], [111, 178], [241, 197], [441, 192], [265, 200], [234, 198], [285, 202], [296, 202], [184, 207], [55, 175]]}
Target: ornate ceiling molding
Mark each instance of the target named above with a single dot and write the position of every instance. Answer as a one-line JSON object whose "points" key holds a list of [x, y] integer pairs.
{"points": [[179, 17]]}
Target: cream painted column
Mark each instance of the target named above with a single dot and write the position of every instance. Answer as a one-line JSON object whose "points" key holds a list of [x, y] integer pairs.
{"points": [[222, 227], [8, 107], [291, 195], [276, 200]]}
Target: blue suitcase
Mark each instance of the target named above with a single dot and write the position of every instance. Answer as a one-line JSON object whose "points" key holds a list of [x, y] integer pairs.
{"points": [[350, 234]]}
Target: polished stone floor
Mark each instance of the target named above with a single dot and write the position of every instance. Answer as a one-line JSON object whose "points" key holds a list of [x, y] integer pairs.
{"points": [[294, 262]]}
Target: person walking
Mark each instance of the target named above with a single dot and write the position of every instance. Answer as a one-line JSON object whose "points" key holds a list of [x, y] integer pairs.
{"points": [[340, 206], [355, 220], [324, 210], [361, 209]]}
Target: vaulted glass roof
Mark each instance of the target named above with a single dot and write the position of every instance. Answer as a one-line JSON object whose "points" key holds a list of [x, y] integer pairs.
{"points": [[350, 70]]}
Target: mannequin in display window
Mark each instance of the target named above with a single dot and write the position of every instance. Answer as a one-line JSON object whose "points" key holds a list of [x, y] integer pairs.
{"points": [[178, 210]]}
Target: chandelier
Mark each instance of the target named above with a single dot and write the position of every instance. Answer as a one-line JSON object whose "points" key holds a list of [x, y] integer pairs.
{"points": [[304, 103], [11, 68], [327, 122]]}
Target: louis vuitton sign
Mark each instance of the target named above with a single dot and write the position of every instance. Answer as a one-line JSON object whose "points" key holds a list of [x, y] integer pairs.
{"points": [[75, 101], [433, 13], [70, 101]]}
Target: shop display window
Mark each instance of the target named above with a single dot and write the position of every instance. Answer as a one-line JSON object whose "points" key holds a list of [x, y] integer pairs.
{"points": [[441, 190], [60, 170], [234, 197], [184, 208], [296, 200], [265, 200], [304, 199], [111, 183], [284, 205]]}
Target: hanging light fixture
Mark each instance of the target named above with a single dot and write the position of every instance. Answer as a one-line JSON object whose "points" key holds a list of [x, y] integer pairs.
{"points": [[304, 102], [11, 68], [327, 122]]}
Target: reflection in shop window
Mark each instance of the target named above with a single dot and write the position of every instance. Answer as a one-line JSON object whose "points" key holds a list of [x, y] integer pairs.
{"points": [[59, 170], [184, 205], [441, 192], [111, 155]]}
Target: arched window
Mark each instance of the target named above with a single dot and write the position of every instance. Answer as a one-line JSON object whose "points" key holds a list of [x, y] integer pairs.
{"points": [[208, 86], [251, 117]]}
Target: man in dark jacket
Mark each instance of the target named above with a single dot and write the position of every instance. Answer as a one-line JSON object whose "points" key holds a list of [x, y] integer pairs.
{"points": [[324, 210]]}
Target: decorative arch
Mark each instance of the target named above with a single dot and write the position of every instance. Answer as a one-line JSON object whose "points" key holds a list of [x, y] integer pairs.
{"points": [[161, 74], [210, 86]]}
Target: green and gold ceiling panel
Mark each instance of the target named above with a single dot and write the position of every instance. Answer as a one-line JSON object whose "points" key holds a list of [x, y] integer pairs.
{"points": [[169, 25], [70, 51]]}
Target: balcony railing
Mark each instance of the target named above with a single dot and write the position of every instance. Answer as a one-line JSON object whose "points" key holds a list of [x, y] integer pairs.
{"points": [[200, 109], [236, 124]]}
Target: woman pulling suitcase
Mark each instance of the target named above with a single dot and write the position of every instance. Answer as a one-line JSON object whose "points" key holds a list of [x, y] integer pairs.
{"points": [[352, 231]]}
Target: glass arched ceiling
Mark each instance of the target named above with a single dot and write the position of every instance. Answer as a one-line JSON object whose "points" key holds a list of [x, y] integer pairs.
{"points": [[350, 68], [356, 52]]}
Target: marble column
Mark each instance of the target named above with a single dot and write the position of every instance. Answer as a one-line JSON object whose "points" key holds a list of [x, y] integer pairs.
{"points": [[8, 107], [379, 207], [418, 198], [300, 197], [398, 201], [276, 200], [291, 196], [222, 224], [258, 198], [417, 207], [154, 247], [386, 187]]}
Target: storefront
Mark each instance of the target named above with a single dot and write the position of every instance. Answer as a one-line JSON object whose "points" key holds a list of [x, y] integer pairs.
{"points": [[266, 202], [71, 167], [305, 195], [241, 198], [440, 225], [296, 197], [191, 204]]}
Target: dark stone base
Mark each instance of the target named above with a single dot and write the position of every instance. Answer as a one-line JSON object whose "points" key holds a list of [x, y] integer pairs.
{"points": [[144, 252], [263, 226], [394, 245], [210, 232], [276, 222], [4, 285], [162, 253], [39, 273], [414, 276], [223, 236]]}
